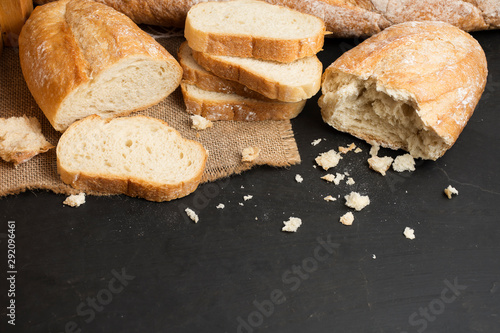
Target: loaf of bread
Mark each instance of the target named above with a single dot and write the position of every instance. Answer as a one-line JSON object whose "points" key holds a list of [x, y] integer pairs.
{"points": [[253, 29], [344, 18], [138, 156], [13, 14], [80, 57], [413, 87]]}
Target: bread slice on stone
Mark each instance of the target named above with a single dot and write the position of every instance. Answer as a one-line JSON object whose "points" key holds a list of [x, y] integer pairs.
{"points": [[138, 156], [194, 74], [290, 82], [220, 106], [21, 138], [256, 29]]}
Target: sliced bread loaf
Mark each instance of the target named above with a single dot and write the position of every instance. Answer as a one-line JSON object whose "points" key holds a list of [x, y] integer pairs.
{"points": [[80, 57], [250, 28], [221, 106], [197, 75], [137, 156], [290, 82]]}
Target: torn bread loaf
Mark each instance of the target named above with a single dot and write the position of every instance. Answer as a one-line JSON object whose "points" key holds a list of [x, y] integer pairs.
{"points": [[21, 138], [413, 87], [80, 57], [221, 106], [138, 156], [253, 29]]}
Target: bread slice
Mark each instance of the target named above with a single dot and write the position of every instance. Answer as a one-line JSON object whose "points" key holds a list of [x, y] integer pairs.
{"points": [[250, 28], [414, 86], [291, 82], [21, 138], [77, 63], [138, 156], [203, 79], [220, 106]]}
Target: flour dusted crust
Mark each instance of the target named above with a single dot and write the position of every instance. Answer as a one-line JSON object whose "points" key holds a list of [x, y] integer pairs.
{"points": [[432, 72]]}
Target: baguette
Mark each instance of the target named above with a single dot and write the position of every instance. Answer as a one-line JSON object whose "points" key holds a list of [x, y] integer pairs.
{"points": [[253, 29], [13, 14], [80, 57], [138, 156], [222, 106], [413, 87], [291, 82]]}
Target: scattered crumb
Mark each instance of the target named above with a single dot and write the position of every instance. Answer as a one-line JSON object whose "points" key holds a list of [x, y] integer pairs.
{"points": [[350, 181], [345, 150], [314, 166], [329, 159], [250, 154], [199, 123], [374, 149], [256, 218], [358, 150], [347, 218], [329, 198], [335, 179], [247, 197], [380, 164], [220, 206], [450, 190], [374, 256], [409, 233], [357, 201], [298, 178], [316, 142], [242, 186], [292, 224], [346, 173], [192, 215], [404, 163], [75, 200], [240, 203]]}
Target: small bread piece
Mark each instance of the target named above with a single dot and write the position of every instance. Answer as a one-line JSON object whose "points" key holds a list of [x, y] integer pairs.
{"points": [[329, 159], [13, 14], [250, 154], [413, 87], [290, 82], [203, 79], [292, 224], [347, 218], [137, 156], [192, 215], [357, 201], [449, 191], [21, 138], [75, 200], [77, 62], [404, 163], [199, 123], [380, 164], [409, 233], [220, 106], [253, 29]]}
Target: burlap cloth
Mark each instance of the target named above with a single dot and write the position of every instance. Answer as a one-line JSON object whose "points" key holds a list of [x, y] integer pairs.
{"points": [[224, 141]]}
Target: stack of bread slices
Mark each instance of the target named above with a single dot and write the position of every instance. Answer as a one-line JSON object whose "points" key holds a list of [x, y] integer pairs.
{"points": [[248, 60]]}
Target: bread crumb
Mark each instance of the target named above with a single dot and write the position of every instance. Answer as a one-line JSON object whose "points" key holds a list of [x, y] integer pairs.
{"points": [[298, 178], [345, 150], [240, 203], [192, 215], [335, 179], [404, 163], [346, 173], [350, 181], [220, 206], [357, 201], [292, 224], [329, 198], [347, 218], [199, 123], [380, 164], [374, 149], [358, 150], [247, 197], [329, 159], [250, 154], [374, 256], [409, 233], [449, 191], [316, 142], [75, 200]]}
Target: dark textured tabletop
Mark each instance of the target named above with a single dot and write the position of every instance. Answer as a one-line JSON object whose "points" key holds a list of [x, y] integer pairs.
{"points": [[120, 264]]}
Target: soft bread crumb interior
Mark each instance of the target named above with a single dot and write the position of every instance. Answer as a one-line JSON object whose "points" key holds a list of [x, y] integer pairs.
{"points": [[364, 109]]}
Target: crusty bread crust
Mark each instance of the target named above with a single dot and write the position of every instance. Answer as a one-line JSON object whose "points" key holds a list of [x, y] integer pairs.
{"points": [[13, 14], [131, 186], [435, 67], [244, 110], [53, 59]]}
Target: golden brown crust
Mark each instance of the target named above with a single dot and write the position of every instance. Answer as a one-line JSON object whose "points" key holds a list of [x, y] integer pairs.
{"points": [[131, 186], [244, 110], [443, 86], [58, 52], [13, 14]]}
